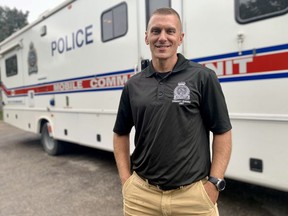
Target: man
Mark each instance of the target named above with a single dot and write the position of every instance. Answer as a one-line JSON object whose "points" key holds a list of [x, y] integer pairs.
{"points": [[173, 104]]}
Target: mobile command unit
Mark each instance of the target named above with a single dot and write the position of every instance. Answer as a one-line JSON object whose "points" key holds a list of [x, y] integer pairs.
{"points": [[62, 75]]}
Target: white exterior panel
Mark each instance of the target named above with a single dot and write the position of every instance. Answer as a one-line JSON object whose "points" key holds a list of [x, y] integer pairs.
{"points": [[79, 77]]}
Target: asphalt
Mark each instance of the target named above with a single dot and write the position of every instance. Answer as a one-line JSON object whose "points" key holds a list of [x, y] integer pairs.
{"points": [[84, 182]]}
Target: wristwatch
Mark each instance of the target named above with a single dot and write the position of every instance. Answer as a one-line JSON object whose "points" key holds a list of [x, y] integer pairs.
{"points": [[220, 184]]}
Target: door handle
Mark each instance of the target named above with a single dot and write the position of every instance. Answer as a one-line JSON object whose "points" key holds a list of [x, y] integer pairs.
{"points": [[144, 64], [240, 41]]}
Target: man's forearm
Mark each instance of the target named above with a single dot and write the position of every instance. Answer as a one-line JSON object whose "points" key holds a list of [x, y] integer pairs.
{"points": [[122, 156], [222, 146]]}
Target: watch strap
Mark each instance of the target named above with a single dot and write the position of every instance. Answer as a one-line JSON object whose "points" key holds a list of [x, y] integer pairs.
{"points": [[219, 183], [213, 180]]}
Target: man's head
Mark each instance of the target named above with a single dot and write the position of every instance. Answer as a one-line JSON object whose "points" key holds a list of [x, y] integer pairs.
{"points": [[164, 34]]}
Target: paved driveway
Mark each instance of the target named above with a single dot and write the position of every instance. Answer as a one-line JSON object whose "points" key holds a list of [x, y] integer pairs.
{"points": [[84, 182]]}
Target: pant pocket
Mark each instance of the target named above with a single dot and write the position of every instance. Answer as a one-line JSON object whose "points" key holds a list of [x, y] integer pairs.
{"points": [[127, 183], [205, 195]]}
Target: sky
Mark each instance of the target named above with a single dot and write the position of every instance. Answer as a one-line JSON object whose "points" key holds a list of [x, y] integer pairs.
{"points": [[35, 7]]}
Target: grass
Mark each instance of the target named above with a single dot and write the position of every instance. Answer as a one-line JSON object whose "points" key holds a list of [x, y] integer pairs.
{"points": [[1, 115]]}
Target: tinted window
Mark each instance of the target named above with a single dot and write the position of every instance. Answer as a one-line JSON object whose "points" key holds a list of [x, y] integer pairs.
{"points": [[114, 22], [11, 66], [152, 5], [253, 10]]}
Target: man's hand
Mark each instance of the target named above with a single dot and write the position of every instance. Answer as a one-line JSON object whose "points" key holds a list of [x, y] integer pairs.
{"points": [[212, 192], [124, 179]]}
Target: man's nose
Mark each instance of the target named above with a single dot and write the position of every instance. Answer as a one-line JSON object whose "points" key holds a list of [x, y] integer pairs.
{"points": [[163, 36]]}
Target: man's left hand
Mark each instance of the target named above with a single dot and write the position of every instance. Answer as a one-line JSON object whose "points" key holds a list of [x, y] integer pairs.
{"points": [[212, 192]]}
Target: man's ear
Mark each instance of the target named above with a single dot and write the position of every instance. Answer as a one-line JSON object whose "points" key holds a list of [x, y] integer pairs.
{"points": [[146, 38], [181, 39]]}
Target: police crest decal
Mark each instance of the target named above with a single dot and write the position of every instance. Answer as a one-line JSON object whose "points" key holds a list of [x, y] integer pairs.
{"points": [[32, 60], [181, 94]]}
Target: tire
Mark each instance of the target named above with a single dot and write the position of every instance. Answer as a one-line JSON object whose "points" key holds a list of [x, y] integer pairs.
{"points": [[50, 145]]}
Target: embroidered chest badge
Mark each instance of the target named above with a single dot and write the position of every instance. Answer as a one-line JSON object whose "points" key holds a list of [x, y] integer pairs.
{"points": [[181, 94]]}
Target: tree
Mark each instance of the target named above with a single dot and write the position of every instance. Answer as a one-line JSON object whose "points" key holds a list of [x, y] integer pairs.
{"points": [[11, 20]]}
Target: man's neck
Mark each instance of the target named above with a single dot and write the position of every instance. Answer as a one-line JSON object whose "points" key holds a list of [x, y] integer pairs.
{"points": [[164, 65]]}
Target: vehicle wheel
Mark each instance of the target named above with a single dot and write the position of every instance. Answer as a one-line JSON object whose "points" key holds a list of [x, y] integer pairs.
{"points": [[50, 145]]}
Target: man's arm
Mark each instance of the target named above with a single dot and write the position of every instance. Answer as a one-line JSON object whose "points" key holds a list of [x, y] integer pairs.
{"points": [[221, 147], [122, 155]]}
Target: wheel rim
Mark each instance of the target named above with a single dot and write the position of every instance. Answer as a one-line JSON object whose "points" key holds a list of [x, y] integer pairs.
{"points": [[49, 142]]}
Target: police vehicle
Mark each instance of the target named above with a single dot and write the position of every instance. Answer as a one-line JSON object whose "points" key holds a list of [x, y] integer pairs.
{"points": [[62, 75]]}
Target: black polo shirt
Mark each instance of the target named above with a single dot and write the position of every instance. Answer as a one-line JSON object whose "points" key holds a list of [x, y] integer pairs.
{"points": [[173, 115]]}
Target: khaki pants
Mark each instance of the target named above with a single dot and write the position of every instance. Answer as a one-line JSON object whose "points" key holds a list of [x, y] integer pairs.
{"points": [[143, 199]]}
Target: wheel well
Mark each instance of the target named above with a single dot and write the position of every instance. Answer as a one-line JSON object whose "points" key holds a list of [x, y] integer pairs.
{"points": [[41, 123]]}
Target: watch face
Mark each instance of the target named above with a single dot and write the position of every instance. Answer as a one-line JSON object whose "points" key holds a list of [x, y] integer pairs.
{"points": [[221, 185]]}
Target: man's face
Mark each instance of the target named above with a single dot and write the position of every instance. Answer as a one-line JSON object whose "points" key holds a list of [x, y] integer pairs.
{"points": [[164, 35]]}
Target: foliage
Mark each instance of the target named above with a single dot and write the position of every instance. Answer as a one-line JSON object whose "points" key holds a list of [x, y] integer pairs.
{"points": [[11, 20]]}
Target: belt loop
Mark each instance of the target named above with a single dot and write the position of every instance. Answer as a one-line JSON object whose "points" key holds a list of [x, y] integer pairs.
{"points": [[144, 179], [204, 180], [147, 182]]}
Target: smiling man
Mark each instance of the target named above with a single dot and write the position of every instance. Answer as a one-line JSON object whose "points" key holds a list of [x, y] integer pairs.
{"points": [[164, 35], [173, 104]]}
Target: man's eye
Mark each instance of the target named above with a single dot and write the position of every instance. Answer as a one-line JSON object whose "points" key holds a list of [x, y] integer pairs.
{"points": [[155, 31]]}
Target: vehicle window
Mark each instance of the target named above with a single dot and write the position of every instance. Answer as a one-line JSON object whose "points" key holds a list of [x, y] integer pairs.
{"points": [[152, 5], [11, 66], [114, 22], [252, 10]]}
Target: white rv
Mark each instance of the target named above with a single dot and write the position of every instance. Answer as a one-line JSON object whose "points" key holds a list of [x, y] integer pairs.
{"points": [[62, 75]]}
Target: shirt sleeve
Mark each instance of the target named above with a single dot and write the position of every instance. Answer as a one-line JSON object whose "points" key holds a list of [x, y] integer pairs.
{"points": [[124, 119], [213, 107]]}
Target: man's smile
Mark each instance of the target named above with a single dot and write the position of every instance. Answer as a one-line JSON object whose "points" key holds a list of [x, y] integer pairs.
{"points": [[162, 45]]}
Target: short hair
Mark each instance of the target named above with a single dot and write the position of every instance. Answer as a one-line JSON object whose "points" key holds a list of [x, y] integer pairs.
{"points": [[166, 11]]}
